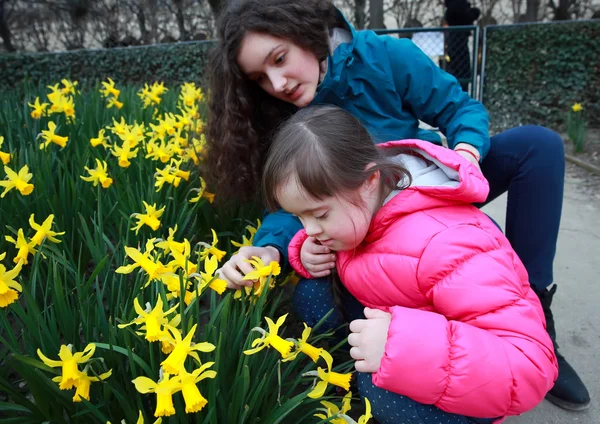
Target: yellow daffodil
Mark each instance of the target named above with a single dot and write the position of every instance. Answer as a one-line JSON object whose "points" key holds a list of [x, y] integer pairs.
{"points": [[68, 362], [153, 268], [331, 410], [328, 377], [153, 321], [577, 107], [170, 244], [364, 419], [4, 157], [303, 346], [183, 260], [19, 181], [174, 283], [49, 136], [84, 381], [132, 134], [167, 341], [165, 176], [61, 103], [247, 241], [119, 128], [207, 279], [68, 86], [113, 101], [44, 231], [194, 401], [150, 218], [39, 109], [162, 152], [164, 389], [24, 247], [211, 249], [183, 348], [98, 175], [9, 288], [271, 339], [190, 94], [124, 153], [100, 140], [179, 138], [175, 168], [109, 89], [261, 274], [150, 95], [202, 193]]}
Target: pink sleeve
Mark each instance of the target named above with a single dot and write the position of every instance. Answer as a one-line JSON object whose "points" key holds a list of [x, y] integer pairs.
{"points": [[294, 253], [485, 352]]}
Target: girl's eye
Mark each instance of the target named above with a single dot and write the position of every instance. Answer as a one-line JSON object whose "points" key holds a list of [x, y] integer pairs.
{"points": [[279, 59], [320, 217]]}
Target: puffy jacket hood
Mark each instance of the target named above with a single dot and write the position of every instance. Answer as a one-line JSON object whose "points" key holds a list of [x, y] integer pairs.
{"points": [[471, 187]]}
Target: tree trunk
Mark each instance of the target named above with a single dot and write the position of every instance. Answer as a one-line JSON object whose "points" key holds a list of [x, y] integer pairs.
{"points": [[562, 12], [359, 13], [4, 29], [376, 14], [180, 17], [532, 11]]}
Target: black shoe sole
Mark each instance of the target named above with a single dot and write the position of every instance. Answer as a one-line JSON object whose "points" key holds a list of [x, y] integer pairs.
{"points": [[569, 406]]}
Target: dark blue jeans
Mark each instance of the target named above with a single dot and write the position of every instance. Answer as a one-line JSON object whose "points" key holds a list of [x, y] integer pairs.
{"points": [[529, 163]]}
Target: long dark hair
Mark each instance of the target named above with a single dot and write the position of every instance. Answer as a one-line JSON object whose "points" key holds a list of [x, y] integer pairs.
{"points": [[241, 115], [329, 153]]}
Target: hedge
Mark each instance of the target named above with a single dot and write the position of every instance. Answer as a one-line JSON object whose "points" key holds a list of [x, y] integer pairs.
{"points": [[171, 63], [534, 73]]}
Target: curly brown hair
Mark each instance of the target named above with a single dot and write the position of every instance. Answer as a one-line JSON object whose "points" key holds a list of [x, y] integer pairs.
{"points": [[241, 115]]}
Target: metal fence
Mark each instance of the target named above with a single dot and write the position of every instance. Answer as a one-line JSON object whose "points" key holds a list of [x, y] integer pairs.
{"points": [[454, 49]]}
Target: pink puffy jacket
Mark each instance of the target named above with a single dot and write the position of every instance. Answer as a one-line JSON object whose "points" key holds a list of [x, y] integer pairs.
{"points": [[467, 332]]}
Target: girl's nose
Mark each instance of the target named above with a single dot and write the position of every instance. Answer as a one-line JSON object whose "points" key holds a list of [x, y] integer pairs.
{"points": [[313, 229], [278, 81]]}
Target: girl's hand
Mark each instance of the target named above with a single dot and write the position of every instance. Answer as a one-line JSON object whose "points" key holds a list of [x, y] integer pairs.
{"points": [[471, 157], [316, 259], [234, 270], [368, 338]]}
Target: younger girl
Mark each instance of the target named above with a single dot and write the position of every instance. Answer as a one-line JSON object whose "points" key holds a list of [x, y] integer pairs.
{"points": [[275, 56], [451, 320]]}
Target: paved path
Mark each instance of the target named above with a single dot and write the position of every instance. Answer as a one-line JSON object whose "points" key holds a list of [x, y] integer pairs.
{"points": [[577, 302]]}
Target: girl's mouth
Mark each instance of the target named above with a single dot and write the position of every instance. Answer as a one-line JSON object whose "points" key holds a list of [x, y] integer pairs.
{"points": [[295, 93]]}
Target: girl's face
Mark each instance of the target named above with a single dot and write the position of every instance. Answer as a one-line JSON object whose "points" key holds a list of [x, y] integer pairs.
{"points": [[337, 222], [280, 67]]}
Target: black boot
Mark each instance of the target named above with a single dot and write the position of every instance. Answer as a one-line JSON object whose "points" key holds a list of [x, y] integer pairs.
{"points": [[568, 392]]}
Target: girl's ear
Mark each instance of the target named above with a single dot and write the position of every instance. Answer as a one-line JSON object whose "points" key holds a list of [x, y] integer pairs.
{"points": [[372, 183]]}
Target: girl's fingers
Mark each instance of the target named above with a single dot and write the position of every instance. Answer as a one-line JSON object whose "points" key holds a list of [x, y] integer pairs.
{"points": [[320, 267], [354, 339], [320, 259], [244, 267], [375, 313], [363, 366], [231, 276], [355, 353], [358, 325], [320, 274]]}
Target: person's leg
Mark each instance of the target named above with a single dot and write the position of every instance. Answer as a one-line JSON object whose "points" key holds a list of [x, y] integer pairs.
{"points": [[529, 162], [392, 408], [313, 299]]}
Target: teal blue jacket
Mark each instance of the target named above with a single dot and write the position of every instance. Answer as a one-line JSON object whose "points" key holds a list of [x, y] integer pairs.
{"points": [[389, 84]]}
